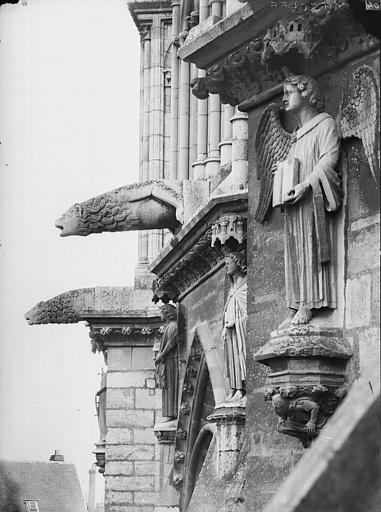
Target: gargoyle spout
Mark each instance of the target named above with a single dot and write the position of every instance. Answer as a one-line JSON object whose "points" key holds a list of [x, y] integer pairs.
{"points": [[140, 206]]}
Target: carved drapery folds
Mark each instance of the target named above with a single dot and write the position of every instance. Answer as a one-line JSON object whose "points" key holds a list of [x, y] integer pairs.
{"points": [[313, 37]]}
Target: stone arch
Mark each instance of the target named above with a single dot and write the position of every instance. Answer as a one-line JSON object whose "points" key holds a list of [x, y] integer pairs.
{"points": [[215, 365]]}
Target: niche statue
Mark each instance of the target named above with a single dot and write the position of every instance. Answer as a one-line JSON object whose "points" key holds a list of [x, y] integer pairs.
{"points": [[167, 363], [234, 325]]}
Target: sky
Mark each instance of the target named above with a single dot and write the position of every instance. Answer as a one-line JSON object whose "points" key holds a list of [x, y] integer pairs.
{"points": [[69, 100]]}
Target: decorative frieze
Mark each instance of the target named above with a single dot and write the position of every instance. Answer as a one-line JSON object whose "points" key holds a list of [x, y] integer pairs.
{"points": [[319, 36]]}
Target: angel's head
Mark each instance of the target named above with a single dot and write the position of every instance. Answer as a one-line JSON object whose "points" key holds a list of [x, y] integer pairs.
{"points": [[300, 91]]}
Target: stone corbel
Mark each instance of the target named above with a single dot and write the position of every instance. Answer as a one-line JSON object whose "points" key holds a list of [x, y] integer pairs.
{"points": [[100, 456], [307, 379], [165, 432], [229, 226]]}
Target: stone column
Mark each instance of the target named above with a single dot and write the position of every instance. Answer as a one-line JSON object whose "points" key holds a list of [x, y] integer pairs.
{"points": [[213, 162], [132, 469], [193, 124], [202, 136], [143, 256], [239, 173], [156, 104], [204, 10], [216, 8], [174, 89], [184, 101], [226, 142]]}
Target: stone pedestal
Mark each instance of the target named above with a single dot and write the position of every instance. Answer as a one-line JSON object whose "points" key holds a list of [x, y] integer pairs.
{"points": [[307, 380], [230, 419]]}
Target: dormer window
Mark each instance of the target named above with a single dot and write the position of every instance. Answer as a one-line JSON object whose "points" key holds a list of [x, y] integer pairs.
{"points": [[32, 506]]}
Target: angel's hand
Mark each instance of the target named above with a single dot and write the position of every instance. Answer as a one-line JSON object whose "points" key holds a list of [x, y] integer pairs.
{"points": [[297, 193], [310, 428]]}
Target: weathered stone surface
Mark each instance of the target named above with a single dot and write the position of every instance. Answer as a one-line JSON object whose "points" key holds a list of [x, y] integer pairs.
{"points": [[144, 436], [130, 452], [364, 242], [369, 350], [118, 498], [146, 400], [130, 418], [142, 358], [119, 398], [119, 435], [145, 468], [120, 468], [145, 498], [129, 483], [133, 379], [358, 301], [120, 358]]}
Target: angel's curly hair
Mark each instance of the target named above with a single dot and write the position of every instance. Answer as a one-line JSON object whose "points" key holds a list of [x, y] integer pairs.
{"points": [[240, 260], [308, 88], [169, 312]]}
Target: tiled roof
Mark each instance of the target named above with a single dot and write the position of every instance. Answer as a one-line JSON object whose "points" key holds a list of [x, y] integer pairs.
{"points": [[54, 486]]}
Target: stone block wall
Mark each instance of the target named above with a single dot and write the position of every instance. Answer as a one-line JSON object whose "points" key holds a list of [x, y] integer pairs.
{"points": [[132, 469]]}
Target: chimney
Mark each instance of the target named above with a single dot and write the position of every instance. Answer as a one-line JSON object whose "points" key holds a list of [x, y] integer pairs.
{"points": [[91, 500], [57, 457]]}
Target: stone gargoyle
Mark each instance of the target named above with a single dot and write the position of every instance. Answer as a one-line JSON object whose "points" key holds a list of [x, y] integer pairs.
{"points": [[77, 305], [153, 204]]}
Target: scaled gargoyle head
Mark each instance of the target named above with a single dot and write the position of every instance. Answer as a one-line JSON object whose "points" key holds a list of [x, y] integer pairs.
{"points": [[58, 310]]}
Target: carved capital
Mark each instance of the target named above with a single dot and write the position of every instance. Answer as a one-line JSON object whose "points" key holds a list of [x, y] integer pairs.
{"points": [[229, 226], [134, 333], [165, 432]]}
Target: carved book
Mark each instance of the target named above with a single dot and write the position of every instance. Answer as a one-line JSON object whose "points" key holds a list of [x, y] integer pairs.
{"points": [[285, 178]]}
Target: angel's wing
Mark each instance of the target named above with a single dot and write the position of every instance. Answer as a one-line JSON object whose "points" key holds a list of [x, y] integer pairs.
{"points": [[360, 117], [272, 144]]}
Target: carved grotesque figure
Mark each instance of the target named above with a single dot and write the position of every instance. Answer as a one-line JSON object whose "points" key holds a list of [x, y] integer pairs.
{"points": [[167, 363], [299, 417], [234, 325]]}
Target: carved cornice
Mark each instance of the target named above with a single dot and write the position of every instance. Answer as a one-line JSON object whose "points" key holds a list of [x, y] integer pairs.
{"points": [[317, 38], [133, 334], [193, 266]]}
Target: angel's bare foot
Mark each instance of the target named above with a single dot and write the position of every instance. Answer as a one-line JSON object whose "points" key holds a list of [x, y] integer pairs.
{"points": [[239, 394], [288, 320], [230, 397], [303, 316]]}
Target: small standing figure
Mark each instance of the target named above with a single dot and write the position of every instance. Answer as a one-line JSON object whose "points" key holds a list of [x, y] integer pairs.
{"points": [[234, 325], [299, 418], [167, 363], [100, 407]]}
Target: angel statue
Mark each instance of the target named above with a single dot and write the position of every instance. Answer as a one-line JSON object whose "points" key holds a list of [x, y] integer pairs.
{"points": [[234, 325], [300, 173], [167, 363]]}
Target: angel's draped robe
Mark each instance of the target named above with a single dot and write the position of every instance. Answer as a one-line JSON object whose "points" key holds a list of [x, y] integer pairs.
{"points": [[310, 265], [235, 337]]}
